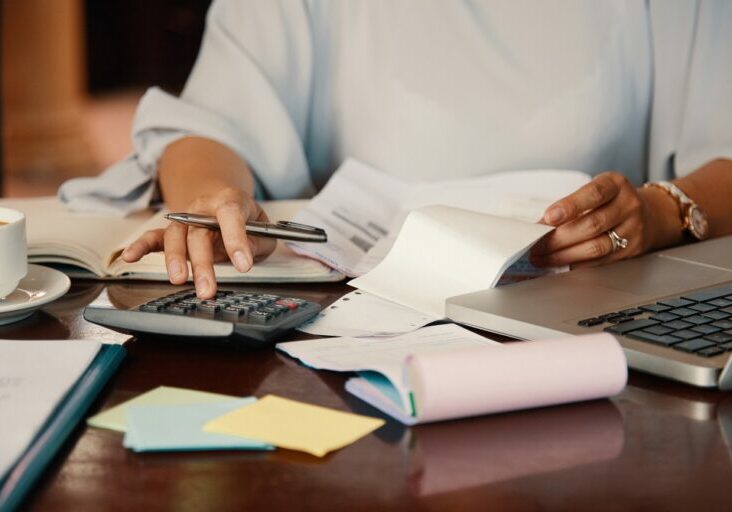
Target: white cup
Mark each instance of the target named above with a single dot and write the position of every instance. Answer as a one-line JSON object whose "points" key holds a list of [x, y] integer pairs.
{"points": [[13, 251]]}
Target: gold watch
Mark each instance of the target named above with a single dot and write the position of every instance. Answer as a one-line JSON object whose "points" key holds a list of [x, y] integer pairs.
{"points": [[693, 218]]}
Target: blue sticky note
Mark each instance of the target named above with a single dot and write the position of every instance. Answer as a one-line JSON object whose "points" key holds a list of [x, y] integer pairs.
{"points": [[180, 427]]}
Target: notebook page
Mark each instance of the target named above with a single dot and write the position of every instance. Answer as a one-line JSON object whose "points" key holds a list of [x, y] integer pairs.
{"points": [[57, 235], [34, 377], [442, 251], [363, 208]]}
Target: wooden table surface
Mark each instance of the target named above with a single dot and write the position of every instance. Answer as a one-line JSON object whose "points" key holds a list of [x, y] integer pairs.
{"points": [[657, 446]]}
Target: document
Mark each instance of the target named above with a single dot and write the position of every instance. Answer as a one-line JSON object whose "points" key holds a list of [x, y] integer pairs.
{"points": [[180, 427], [295, 425], [115, 418], [362, 208], [443, 251], [35, 376], [445, 372], [360, 313], [385, 356]]}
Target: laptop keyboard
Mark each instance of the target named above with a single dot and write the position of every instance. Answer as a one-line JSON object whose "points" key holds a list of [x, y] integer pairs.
{"points": [[698, 323]]}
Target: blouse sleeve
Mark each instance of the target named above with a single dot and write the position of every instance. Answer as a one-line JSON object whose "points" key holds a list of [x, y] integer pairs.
{"points": [[691, 121], [250, 90]]}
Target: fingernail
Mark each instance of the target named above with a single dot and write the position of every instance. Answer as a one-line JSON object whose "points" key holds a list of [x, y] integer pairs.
{"points": [[241, 262], [202, 285], [554, 215], [175, 268]]}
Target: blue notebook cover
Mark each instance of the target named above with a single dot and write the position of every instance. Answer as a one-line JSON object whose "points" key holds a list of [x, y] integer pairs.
{"points": [[69, 413]]}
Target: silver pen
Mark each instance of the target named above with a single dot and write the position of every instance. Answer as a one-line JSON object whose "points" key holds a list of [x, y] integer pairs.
{"points": [[283, 229]]}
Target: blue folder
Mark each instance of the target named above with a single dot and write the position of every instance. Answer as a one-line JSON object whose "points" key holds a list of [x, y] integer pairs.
{"points": [[69, 413]]}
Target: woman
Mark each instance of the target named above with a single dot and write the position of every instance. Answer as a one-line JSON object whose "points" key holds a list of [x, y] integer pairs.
{"points": [[283, 91]]}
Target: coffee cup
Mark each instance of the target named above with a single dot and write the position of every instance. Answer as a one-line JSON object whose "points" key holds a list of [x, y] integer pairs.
{"points": [[13, 251]]}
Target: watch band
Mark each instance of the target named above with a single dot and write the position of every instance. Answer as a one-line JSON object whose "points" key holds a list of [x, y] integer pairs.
{"points": [[693, 219]]}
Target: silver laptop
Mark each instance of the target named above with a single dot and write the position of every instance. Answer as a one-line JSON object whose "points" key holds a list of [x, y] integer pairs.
{"points": [[670, 310]]}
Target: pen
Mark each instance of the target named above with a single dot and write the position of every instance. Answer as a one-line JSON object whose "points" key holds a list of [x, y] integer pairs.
{"points": [[283, 229]]}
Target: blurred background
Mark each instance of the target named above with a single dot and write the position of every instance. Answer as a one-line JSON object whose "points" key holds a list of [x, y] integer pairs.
{"points": [[72, 73]]}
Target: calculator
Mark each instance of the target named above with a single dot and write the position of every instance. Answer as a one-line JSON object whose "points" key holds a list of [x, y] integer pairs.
{"points": [[237, 318]]}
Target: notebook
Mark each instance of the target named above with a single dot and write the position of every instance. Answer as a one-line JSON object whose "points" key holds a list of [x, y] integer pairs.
{"points": [[89, 245], [46, 388], [446, 372]]}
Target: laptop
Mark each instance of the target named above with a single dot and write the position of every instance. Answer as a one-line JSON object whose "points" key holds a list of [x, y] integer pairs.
{"points": [[671, 310]]}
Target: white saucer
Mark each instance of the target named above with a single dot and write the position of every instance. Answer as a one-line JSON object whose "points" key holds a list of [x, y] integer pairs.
{"points": [[39, 287]]}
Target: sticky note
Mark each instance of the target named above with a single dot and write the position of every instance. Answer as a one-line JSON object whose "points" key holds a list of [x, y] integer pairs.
{"points": [[179, 427], [116, 419], [294, 425]]}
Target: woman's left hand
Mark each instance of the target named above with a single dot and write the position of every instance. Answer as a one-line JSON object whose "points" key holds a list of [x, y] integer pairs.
{"points": [[585, 218]]}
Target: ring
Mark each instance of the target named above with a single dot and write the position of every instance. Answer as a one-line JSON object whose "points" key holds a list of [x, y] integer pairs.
{"points": [[618, 241]]}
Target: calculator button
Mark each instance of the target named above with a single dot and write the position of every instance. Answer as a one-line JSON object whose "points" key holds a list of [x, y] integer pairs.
{"points": [[208, 306], [151, 308], [260, 317], [233, 311], [176, 309], [289, 304]]}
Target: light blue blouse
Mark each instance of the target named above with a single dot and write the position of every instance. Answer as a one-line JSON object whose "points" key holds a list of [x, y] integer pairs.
{"points": [[429, 90]]}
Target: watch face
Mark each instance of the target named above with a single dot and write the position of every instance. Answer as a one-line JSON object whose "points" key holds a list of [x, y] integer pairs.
{"points": [[698, 224]]}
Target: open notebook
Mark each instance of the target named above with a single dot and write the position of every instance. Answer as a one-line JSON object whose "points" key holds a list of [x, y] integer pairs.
{"points": [[89, 245]]}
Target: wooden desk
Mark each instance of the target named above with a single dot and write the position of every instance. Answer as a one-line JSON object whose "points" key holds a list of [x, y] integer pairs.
{"points": [[659, 445]]}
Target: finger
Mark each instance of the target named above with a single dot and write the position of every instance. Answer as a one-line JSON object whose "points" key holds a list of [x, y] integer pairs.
{"points": [[233, 233], [150, 241], [261, 247], [176, 253], [200, 252], [592, 249], [602, 189], [630, 232], [586, 227]]}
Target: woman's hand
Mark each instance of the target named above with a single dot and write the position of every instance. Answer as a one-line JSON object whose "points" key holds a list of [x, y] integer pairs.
{"points": [[585, 217], [232, 208]]}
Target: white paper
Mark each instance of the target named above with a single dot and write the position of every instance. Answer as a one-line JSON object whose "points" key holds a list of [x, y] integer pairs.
{"points": [[360, 313], [34, 377], [383, 355], [443, 251], [363, 209]]}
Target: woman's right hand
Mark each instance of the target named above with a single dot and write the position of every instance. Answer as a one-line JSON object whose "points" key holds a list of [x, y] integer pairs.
{"points": [[232, 208]]}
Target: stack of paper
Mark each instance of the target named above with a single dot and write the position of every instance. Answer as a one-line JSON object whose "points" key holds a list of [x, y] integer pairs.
{"points": [[175, 419]]}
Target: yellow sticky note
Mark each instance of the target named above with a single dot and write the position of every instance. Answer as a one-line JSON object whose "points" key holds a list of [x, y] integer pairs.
{"points": [[116, 419], [294, 425]]}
